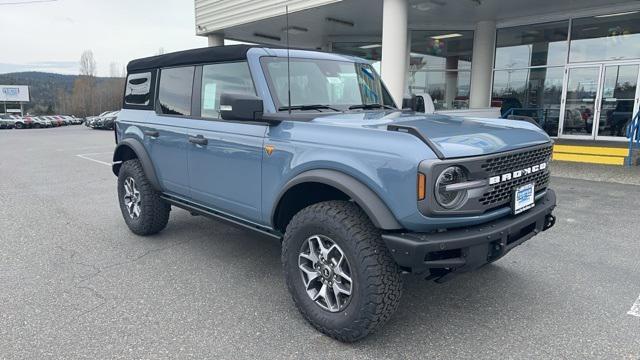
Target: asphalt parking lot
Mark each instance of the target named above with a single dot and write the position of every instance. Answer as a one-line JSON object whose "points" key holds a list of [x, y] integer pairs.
{"points": [[75, 283]]}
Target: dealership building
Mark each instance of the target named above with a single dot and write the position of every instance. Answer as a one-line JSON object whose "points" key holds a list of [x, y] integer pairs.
{"points": [[572, 65]]}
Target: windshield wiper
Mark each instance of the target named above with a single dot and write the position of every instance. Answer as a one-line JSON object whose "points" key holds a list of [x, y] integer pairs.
{"points": [[307, 107], [371, 106]]}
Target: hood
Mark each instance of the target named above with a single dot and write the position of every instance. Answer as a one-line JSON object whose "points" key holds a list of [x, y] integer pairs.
{"points": [[450, 136]]}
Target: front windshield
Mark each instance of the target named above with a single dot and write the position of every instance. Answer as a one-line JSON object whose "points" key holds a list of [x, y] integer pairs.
{"points": [[335, 84]]}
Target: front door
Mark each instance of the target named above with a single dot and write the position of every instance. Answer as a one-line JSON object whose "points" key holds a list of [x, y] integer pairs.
{"points": [[599, 101], [225, 157], [580, 101], [619, 100]]}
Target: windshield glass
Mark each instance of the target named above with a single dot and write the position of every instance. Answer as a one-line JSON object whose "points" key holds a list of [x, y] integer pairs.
{"points": [[337, 84]]}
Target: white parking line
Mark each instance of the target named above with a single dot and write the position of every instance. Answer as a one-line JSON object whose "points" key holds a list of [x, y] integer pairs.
{"points": [[635, 309], [86, 157]]}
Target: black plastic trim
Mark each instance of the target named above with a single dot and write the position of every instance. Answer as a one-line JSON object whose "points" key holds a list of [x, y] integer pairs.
{"points": [[210, 212], [477, 245], [415, 132], [141, 153], [368, 200]]}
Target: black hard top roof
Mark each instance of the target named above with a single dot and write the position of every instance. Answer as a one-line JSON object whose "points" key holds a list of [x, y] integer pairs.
{"points": [[193, 56]]}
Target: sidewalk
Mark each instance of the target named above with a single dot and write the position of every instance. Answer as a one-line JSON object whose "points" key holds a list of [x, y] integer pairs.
{"points": [[602, 173]]}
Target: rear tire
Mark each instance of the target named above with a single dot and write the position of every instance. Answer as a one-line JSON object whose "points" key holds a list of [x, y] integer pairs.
{"points": [[142, 208], [19, 126], [375, 284]]}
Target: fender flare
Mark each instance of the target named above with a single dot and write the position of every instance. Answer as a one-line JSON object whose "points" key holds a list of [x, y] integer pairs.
{"points": [[142, 155], [361, 194]]}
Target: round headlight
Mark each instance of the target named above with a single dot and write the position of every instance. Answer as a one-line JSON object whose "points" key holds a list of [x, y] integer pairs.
{"points": [[454, 198]]}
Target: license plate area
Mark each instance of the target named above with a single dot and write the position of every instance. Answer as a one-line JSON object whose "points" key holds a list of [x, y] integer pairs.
{"points": [[523, 198]]}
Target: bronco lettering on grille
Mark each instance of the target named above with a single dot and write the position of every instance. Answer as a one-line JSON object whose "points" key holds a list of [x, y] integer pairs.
{"points": [[516, 174]]}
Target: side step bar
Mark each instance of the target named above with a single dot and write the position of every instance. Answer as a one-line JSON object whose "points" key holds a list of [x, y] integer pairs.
{"points": [[202, 210]]}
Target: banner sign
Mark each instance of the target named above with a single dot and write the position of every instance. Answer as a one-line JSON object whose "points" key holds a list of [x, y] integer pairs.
{"points": [[17, 93]]}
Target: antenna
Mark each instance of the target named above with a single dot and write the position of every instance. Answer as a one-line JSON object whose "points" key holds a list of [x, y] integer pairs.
{"points": [[286, 9]]}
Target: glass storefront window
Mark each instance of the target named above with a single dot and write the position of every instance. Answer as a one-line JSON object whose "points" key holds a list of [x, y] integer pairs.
{"points": [[365, 50], [440, 50], [532, 45], [448, 89], [606, 37], [440, 65], [530, 94]]}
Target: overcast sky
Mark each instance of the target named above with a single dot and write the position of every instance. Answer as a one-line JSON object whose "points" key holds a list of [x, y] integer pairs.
{"points": [[51, 36]]}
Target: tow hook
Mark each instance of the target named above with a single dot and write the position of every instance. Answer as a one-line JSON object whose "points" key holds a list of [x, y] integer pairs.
{"points": [[549, 221]]}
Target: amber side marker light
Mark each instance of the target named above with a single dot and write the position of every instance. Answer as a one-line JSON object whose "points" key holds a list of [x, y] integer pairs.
{"points": [[422, 184]]}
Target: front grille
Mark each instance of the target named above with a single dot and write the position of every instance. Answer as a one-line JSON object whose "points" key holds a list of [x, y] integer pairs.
{"points": [[501, 193], [513, 162]]}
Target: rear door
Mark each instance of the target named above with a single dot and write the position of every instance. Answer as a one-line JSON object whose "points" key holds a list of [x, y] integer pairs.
{"points": [[225, 156], [165, 134]]}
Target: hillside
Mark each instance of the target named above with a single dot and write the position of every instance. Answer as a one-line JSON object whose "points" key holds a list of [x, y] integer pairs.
{"points": [[45, 88]]}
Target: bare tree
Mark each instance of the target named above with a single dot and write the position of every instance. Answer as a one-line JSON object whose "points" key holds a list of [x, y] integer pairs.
{"points": [[160, 51], [87, 64]]}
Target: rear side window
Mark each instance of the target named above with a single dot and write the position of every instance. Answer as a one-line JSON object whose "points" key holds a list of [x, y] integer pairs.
{"points": [[223, 78], [138, 89], [176, 85]]}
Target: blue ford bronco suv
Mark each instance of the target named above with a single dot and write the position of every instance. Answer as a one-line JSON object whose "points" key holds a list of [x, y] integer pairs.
{"points": [[310, 148]]}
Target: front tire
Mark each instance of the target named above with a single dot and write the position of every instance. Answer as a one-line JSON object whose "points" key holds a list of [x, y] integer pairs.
{"points": [[339, 271], [142, 208]]}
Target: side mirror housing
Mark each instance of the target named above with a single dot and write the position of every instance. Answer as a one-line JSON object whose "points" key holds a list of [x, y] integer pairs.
{"points": [[410, 103], [240, 107]]}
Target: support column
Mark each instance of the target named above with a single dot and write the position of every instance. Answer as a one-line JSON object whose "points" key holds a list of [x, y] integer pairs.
{"points": [[216, 39], [484, 43], [394, 47]]}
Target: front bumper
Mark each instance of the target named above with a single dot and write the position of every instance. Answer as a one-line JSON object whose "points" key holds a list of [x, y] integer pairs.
{"points": [[469, 248]]}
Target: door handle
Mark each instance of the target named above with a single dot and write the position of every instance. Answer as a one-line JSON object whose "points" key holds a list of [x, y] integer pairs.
{"points": [[151, 133], [198, 140]]}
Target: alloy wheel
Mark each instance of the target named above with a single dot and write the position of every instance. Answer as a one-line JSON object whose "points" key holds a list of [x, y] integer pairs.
{"points": [[325, 273], [132, 198]]}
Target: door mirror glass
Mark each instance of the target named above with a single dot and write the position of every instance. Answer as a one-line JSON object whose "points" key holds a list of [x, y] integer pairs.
{"points": [[410, 103], [241, 107]]}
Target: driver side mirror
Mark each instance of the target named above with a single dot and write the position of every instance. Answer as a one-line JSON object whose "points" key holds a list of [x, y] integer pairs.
{"points": [[240, 107], [410, 103]]}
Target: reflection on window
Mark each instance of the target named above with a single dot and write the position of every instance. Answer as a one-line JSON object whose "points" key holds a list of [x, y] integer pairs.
{"points": [[440, 65], [532, 45], [366, 50], [605, 37], [618, 99], [448, 89], [223, 78], [324, 82], [440, 50], [175, 90], [530, 94], [138, 89]]}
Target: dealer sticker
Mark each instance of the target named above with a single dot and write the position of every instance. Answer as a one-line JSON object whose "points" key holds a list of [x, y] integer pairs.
{"points": [[523, 198]]}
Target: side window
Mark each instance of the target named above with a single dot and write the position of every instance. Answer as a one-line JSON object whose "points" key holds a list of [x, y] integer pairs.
{"points": [[223, 78], [138, 89], [174, 95]]}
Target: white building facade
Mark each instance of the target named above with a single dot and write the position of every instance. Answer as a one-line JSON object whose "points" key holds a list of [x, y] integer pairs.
{"points": [[572, 66]]}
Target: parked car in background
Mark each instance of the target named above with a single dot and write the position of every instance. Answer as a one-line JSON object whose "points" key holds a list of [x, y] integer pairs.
{"points": [[108, 121], [6, 122], [41, 122], [22, 123], [54, 121]]}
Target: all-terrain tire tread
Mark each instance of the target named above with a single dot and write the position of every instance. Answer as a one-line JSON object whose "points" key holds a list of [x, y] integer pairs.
{"points": [[154, 214], [382, 285]]}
